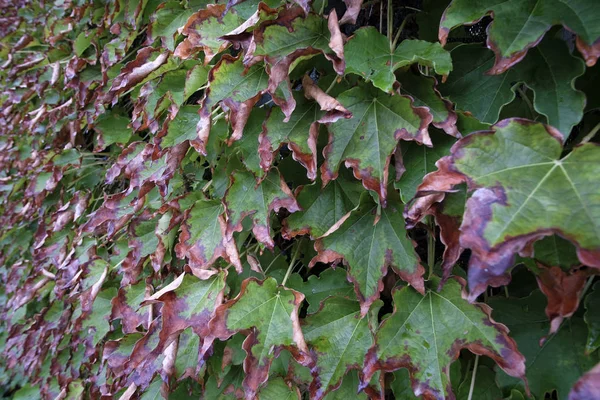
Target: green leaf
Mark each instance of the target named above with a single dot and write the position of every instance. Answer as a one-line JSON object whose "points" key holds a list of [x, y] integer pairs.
{"points": [[426, 333], [322, 207], [553, 363], [270, 314], [592, 319], [99, 317], [340, 338], [550, 71], [520, 177], [182, 127], [277, 389], [248, 145], [556, 251], [112, 128], [331, 282], [423, 91], [186, 362], [368, 244], [245, 198], [519, 25], [368, 55], [417, 161], [367, 141], [203, 238], [472, 89], [167, 22]]}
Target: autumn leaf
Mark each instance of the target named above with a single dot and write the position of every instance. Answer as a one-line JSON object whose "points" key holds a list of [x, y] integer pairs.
{"points": [[587, 386], [591, 318], [331, 282], [426, 333]]}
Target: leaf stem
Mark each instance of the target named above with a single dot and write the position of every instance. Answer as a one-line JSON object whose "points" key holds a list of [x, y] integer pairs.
{"points": [[430, 245], [322, 8], [291, 267], [591, 135], [400, 29], [526, 100], [331, 85], [390, 23], [473, 376]]}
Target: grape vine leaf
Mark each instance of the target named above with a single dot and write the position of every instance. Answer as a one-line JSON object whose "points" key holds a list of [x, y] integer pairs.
{"points": [[269, 313], [126, 306], [339, 337], [246, 198], [528, 324], [277, 389], [112, 128], [368, 244], [588, 386], [519, 25], [518, 177], [331, 282], [367, 141], [369, 55], [322, 207], [592, 319], [426, 333], [203, 237]]}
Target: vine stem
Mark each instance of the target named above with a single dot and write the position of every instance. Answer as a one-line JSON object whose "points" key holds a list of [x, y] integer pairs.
{"points": [[400, 29], [390, 23], [291, 267], [473, 376], [591, 135], [526, 100]]}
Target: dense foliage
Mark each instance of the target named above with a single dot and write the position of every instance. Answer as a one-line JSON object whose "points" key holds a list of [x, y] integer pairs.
{"points": [[286, 199]]}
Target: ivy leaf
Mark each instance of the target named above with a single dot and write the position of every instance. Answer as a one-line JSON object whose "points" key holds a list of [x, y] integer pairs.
{"points": [[204, 30], [182, 127], [520, 25], [340, 338], [423, 91], [238, 88], [588, 387], [367, 141], [248, 147], [426, 333], [331, 282], [528, 324], [369, 55], [246, 198], [270, 314], [592, 319], [368, 244], [322, 207], [203, 237], [518, 176], [168, 21]]}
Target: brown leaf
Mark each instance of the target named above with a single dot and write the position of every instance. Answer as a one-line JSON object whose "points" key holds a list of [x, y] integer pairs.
{"points": [[194, 40], [352, 11], [590, 53], [588, 386], [335, 110], [563, 291], [134, 72]]}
